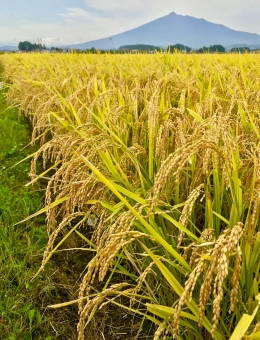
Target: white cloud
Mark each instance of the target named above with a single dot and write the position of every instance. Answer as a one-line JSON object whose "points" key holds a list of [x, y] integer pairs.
{"points": [[76, 13], [70, 31], [52, 41], [131, 6], [134, 9]]}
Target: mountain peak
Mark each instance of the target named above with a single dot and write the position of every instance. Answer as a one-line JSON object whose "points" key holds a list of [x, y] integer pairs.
{"points": [[176, 28]]}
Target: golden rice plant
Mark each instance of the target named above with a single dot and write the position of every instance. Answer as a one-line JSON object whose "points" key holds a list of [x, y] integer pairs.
{"points": [[158, 159]]}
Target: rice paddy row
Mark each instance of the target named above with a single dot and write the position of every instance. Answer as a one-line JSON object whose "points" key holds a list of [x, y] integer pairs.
{"points": [[152, 163]]}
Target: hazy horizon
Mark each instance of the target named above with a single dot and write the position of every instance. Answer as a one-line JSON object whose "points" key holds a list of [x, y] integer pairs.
{"points": [[64, 22]]}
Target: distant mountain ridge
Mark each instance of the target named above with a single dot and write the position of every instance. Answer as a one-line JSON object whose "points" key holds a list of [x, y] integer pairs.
{"points": [[173, 29], [8, 48], [252, 47]]}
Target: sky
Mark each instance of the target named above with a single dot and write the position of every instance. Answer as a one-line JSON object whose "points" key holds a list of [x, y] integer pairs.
{"points": [[62, 22]]}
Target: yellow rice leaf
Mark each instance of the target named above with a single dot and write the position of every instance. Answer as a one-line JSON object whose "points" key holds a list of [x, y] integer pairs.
{"points": [[196, 116], [255, 336], [164, 312], [52, 205], [244, 323]]}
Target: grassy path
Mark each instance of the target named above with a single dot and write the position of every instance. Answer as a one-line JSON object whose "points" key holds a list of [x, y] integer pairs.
{"points": [[20, 246], [22, 304]]}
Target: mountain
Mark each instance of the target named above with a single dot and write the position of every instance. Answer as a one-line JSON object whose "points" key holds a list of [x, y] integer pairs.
{"points": [[173, 29], [8, 48]]}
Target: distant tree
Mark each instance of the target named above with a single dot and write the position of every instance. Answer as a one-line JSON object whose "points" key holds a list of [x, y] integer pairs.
{"points": [[56, 49], [27, 46], [178, 47], [212, 49], [240, 49], [141, 47], [91, 50], [217, 48]]}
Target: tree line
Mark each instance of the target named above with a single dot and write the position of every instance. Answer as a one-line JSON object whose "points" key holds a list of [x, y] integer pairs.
{"points": [[204, 49], [29, 47]]}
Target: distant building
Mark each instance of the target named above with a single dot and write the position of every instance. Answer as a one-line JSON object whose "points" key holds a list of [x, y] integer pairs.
{"points": [[64, 50]]}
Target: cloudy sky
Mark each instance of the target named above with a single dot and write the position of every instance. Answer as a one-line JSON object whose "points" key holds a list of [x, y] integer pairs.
{"points": [[60, 22]]}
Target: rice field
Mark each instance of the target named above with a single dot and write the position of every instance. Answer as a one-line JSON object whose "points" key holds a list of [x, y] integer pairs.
{"points": [[153, 161]]}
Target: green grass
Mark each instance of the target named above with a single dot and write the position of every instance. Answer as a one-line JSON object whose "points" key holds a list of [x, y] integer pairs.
{"points": [[22, 303]]}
